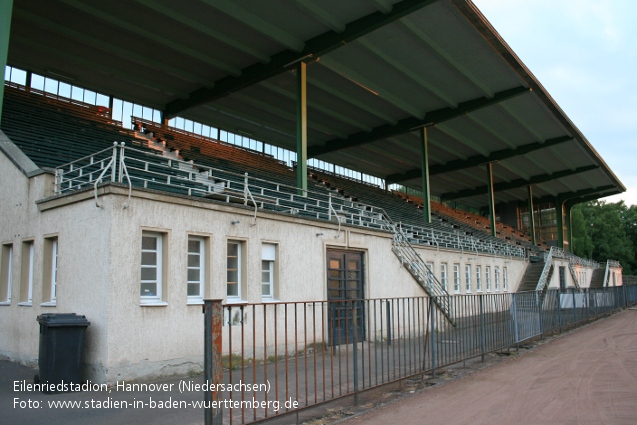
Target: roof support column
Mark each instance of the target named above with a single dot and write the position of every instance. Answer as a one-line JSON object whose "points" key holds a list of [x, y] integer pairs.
{"points": [[6, 8], [491, 198], [559, 216], [426, 197], [301, 128], [531, 216]]}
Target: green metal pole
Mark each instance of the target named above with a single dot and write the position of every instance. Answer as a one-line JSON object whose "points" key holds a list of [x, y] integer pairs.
{"points": [[559, 215], [491, 198], [6, 10], [531, 216], [426, 197], [301, 128]]}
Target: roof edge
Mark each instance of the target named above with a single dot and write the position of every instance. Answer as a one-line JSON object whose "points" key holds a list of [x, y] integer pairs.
{"points": [[17, 157], [475, 17]]}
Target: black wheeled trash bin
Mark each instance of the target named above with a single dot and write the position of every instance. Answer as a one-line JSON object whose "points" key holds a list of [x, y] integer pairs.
{"points": [[61, 348]]}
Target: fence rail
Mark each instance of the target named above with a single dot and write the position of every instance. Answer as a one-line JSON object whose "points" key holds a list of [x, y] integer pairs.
{"points": [[315, 352]]}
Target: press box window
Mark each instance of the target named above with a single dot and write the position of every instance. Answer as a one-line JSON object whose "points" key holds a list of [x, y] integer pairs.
{"points": [[6, 267], [268, 262], [152, 269]]}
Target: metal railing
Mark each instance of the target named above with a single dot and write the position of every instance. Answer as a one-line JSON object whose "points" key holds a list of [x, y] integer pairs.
{"points": [[314, 352], [148, 169], [573, 260]]}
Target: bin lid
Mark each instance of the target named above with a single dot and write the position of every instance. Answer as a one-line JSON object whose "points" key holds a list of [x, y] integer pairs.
{"points": [[62, 319]]}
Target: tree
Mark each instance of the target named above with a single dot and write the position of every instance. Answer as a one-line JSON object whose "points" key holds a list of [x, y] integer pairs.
{"points": [[611, 228], [582, 242]]}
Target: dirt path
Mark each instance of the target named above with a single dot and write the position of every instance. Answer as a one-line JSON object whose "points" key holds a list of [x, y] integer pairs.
{"points": [[586, 377]]}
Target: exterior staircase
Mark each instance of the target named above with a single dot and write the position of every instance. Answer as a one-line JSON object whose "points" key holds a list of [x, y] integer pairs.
{"points": [[412, 261], [531, 277], [597, 279]]}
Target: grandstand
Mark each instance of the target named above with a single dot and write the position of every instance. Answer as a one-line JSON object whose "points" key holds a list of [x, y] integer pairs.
{"points": [[351, 87]]}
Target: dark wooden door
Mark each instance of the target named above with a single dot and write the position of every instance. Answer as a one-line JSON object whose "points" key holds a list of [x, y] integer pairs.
{"points": [[345, 291]]}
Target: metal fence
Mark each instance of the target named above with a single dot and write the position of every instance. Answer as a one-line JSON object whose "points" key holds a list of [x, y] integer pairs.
{"points": [[277, 358]]}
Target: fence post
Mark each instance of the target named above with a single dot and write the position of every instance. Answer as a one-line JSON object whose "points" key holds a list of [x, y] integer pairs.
{"points": [[515, 322], [574, 308], [538, 300], [482, 328], [559, 308], [213, 317], [355, 350], [432, 326], [388, 318]]}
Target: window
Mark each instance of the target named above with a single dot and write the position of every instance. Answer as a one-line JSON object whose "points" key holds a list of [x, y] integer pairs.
{"points": [[26, 274], [268, 259], [152, 269], [443, 276], [6, 267], [234, 271], [504, 279], [479, 278], [430, 275], [456, 278], [196, 272], [50, 272], [467, 269], [497, 278], [487, 276]]}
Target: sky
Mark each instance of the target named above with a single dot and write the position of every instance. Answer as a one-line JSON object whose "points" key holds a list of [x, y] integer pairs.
{"points": [[584, 52]]}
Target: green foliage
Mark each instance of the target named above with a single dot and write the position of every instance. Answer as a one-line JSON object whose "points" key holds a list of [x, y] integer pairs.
{"points": [[606, 231]]}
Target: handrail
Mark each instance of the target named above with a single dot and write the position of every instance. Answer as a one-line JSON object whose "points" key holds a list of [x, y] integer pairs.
{"points": [[246, 194], [111, 164], [149, 169], [548, 263]]}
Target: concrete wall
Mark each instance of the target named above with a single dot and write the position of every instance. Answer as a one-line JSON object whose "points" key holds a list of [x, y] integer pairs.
{"points": [[99, 271], [82, 279]]}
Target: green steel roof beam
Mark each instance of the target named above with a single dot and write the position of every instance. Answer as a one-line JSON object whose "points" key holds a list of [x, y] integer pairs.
{"points": [[440, 52], [515, 184], [383, 6], [316, 106], [321, 15], [407, 125], [106, 47], [280, 62], [606, 190], [474, 161], [282, 113], [152, 37], [208, 30], [352, 101], [414, 76]]}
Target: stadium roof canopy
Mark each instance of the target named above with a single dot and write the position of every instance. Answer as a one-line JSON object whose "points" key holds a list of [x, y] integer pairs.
{"points": [[378, 70]]}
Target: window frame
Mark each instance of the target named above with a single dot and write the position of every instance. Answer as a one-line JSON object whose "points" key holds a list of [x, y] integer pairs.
{"points": [[443, 276], [159, 299], [456, 278], [26, 273], [505, 283], [241, 255], [496, 278], [272, 262], [487, 274], [6, 273], [467, 271], [203, 269], [478, 278], [50, 271]]}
